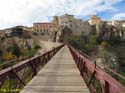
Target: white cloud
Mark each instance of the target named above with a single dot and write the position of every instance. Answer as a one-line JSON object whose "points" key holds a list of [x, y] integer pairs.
{"points": [[118, 16], [25, 12], [19, 12]]}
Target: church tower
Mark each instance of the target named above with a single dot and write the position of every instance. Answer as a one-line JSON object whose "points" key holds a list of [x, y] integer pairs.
{"points": [[55, 30], [55, 21]]}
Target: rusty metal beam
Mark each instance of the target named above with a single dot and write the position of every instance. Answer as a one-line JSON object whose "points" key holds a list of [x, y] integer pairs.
{"points": [[108, 83], [34, 62]]}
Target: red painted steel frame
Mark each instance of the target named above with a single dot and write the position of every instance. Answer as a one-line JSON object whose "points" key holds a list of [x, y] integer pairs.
{"points": [[108, 84], [33, 63]]}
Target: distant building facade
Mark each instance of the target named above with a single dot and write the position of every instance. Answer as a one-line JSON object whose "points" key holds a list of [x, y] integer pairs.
{"points": [[2, 33], [55, 32], [8, 32], [123, 23], [78, 26], [117, 23], [95, 20], [109, 23], [66, 20], [18, 31], [69, 21], [42, 27]]}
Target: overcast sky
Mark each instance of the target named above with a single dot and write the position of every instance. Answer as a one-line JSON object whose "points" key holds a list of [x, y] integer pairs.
{"points": [[26, 12]]}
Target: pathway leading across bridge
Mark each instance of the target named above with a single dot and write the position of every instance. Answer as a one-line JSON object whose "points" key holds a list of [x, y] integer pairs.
{"points": [[59, 75]]}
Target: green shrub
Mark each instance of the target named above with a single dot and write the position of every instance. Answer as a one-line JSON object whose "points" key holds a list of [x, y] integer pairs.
{"points": [[30, 53], [37, 47], [14, 49], [104, 44], [42, 33], [2, 38]]}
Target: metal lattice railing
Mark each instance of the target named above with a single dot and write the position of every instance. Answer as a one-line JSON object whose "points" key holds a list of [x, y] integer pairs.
{"points": [[15, 77], [97, 80]]}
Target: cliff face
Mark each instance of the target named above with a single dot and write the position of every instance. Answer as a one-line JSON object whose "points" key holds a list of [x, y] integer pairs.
{"points": [[22, 43]]}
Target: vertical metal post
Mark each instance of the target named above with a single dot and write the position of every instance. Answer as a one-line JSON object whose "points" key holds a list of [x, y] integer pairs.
{"points": [[95, 64], [106, 87], [9, 89]]}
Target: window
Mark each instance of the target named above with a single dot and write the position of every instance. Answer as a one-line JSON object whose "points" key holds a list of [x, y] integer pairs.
{"points": [[70, 25], [76, 26], [47, 30]]}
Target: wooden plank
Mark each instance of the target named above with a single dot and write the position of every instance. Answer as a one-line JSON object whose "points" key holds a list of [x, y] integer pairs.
{"points": [[58, 82], [43, 89], [60, 75], [55, 74]]}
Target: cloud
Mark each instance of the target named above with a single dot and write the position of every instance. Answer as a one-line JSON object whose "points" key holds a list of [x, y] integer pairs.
{"points": [[118, 16], [25, 12], [21, 12]]}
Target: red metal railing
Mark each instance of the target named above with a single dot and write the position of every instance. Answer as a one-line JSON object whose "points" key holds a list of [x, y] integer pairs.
{"points": [[15, 77], [97, 80]]}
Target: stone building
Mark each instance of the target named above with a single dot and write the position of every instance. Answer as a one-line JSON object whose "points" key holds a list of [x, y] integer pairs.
{"points": [[95, 20], [42, 27], [2, 33], [78, 26], [123, 23], [55, 31], [109, 23], [8, 32], [117, 23], [69, 21], [18, 31], [66, 20]]}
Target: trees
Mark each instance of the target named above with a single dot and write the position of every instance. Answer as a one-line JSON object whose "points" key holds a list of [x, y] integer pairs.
{"points": [[93, 30], [91, 45], [85, 44], [103, 33], [120, 55], [37, 47], [104, 44], [66, 32], [122, 29], [8, 56], [14, 49], [109, 34], [1, 52]]}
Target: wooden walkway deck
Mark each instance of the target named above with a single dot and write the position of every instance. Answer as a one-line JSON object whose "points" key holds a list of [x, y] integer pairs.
{"points": [[60, 75]]}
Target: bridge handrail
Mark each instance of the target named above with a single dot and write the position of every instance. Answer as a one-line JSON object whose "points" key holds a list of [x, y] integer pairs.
{"points": [[94, 76], [12, 62], [106, 68], [35, 63]]}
